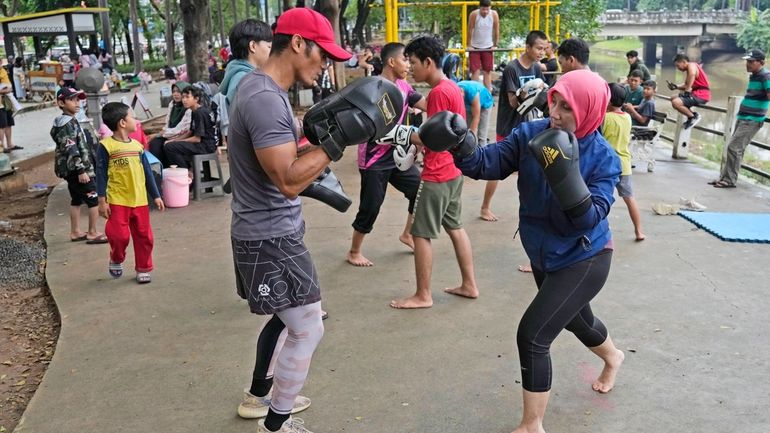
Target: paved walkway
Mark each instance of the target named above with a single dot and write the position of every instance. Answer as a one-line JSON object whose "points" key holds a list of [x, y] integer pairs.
{"points": [[173, 356]]}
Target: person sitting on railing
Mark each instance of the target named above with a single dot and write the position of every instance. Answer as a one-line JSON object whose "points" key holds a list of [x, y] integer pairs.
{"points": [[751, 117], [695, 90], [645, 110]]}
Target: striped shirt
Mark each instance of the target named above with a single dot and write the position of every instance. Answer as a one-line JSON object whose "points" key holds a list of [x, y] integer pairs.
{"points": [[755, 103]]}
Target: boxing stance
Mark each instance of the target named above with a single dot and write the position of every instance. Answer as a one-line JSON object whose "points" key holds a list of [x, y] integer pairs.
{"points": [[273, 268], [567, 176]]}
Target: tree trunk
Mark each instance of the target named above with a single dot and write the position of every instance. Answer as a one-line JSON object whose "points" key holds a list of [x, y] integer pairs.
{"points": [[344, 37], [147, 35], [234, 6], [106, 30], [286, 5], [363, 15], [129, 44], [196, 35], [221, 24], [169, 34], [331, 10], [138, 54]]}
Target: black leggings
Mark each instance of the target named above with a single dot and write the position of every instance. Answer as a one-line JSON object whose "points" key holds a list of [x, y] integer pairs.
{"points": [[561, 303], [374, 184]]}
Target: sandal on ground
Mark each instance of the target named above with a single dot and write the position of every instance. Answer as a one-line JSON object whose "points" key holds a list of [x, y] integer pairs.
{"points": [[143, 277], [101, 239], [115, 270], [324, 315], [723, 184], [79, 238], [714, 182], [15, 148], [6, 150]]}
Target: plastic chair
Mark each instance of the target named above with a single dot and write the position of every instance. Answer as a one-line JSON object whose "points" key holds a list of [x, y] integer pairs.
{"points": [[644, 139]]}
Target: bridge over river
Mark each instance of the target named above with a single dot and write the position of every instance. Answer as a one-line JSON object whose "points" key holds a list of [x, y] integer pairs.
{"points": [[691, 31]]}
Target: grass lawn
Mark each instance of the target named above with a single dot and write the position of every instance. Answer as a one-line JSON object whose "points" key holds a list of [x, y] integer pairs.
{"points": [[619, 45]]}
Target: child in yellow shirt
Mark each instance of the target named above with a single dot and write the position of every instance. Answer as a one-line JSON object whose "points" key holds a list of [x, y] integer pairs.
{"points": [[123, 180], [617, 131]]}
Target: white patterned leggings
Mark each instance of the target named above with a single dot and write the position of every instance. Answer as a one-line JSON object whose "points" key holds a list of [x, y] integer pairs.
{"points": [[289, 351]]}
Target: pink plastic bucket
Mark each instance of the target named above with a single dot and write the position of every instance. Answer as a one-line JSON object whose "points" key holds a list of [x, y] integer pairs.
{"points": [[176, 187]]}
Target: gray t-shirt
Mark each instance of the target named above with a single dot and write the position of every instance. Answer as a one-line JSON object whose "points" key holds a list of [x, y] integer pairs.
{"points": [[260, 117]]}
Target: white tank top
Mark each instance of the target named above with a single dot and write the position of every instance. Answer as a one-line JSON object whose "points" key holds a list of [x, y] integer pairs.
{"points": [[482, 31]]}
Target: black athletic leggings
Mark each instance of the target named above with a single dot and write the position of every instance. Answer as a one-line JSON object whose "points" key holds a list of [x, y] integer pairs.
{"points": [[561, 303], [374, 184]]}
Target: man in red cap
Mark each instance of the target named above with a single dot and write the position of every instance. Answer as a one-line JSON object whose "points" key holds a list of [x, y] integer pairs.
{"points": [[273, 268]]}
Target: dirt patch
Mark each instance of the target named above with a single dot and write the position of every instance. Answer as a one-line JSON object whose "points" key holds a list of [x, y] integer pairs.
{"points": [[29, 324]]}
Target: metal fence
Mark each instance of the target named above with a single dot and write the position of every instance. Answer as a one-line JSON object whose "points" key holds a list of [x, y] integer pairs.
{"points": [[730, 112]]}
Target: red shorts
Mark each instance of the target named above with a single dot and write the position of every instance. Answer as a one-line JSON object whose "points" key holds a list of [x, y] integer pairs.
{"points": [[482, 60]]}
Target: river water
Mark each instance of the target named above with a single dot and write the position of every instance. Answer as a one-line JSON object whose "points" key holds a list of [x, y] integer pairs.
{"points": [[727, 78]]}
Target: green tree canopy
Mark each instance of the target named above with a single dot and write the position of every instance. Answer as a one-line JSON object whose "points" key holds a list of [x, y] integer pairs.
{"points": [[755, 31]]}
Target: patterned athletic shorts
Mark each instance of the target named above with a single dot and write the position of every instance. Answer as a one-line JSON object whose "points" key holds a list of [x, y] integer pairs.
{"points": [[275, 274]]}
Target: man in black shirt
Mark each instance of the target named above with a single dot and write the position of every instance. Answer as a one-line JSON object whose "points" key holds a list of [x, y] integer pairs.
{"points": [[516, 73], [549, 63], [202, 137]]}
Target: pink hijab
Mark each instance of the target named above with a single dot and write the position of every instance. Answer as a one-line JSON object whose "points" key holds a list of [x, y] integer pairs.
{"points": [[587, 94]]}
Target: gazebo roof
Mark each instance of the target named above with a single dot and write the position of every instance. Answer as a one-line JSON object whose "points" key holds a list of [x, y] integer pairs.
{"points": [[51, 22]]}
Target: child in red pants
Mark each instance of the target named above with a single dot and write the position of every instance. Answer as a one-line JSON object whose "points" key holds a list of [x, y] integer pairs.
{"points": [[123, 179]]}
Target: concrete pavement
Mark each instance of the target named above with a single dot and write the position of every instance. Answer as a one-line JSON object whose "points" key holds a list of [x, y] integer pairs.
{"points": [[688, 309]]}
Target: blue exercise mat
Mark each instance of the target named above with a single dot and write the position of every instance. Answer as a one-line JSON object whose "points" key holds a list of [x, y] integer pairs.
{"points": [[733, 227]]}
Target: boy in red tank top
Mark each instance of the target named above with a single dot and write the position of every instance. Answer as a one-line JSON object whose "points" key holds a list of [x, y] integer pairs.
{"points": [[439, 201]]}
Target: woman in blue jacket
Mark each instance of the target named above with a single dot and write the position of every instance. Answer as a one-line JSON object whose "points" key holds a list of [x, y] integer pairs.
{"points": [[570, 251]]}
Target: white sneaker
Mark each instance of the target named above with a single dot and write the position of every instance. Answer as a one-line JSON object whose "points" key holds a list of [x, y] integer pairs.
{"points": [[256, 407], [292, 425], [691, 204]]}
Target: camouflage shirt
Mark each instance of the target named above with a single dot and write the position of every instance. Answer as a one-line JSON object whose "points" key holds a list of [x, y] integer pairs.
{"points": [[73, 154]]}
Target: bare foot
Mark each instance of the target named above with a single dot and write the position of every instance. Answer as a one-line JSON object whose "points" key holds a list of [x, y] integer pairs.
{"points": [[606, 380], [358, 259], [407, 240], [640, 237], [411, 302], [525, 268], [463, 291], [487, 215], [529, 429]]}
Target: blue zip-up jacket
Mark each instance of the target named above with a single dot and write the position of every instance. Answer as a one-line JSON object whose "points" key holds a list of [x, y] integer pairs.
{"points": [[551, 239]]}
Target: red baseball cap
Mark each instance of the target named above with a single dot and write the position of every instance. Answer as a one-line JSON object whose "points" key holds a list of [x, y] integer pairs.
{"points": [[314, 27]]}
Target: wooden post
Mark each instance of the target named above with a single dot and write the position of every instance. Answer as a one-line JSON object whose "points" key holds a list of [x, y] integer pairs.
{"points": [[733, 104]]}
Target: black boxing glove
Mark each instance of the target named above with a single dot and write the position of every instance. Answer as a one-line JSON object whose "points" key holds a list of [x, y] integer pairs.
{"points": [[446, 130], [363, 111], [557, 152]]}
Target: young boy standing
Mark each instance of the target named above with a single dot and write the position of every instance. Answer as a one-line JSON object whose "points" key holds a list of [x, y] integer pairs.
{"points": [[378, 167], [479, 102], [617, 130], [123, 179], [439, 201], [74, 163]]}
